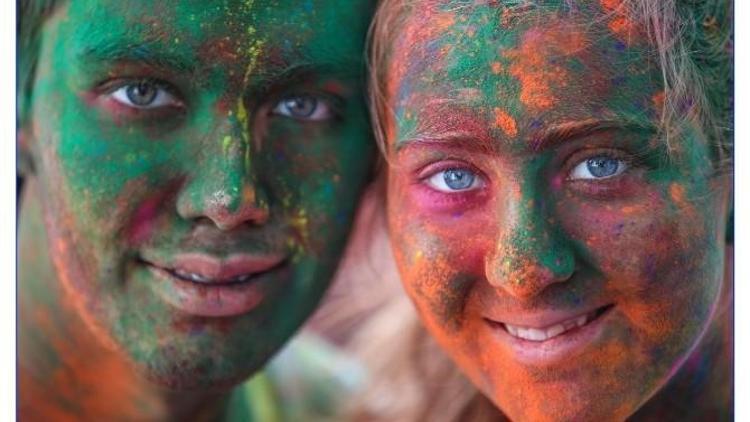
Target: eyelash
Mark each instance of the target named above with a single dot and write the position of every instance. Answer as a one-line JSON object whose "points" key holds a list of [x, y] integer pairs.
{"points": [[332, 102], [112, 89], [594, 186], [459, 198]]}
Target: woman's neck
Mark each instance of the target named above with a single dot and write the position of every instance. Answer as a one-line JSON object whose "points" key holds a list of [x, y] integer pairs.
{"points": [[65, 372]]}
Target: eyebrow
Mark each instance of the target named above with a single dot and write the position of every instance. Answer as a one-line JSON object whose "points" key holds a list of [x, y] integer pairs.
{"points": [[559, 133], [152, 53], [270, 77], [540, 140]]}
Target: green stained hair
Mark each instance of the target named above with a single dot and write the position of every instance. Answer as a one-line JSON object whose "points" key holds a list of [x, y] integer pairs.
{"points": [[29, 23]]}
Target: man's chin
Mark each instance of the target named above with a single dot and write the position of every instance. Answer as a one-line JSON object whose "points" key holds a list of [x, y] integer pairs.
{"points": [[193, 379]]}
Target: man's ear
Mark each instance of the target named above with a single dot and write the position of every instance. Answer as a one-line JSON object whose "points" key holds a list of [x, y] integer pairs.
{"points": [[729, 231], [24, 163], [729, 236]]}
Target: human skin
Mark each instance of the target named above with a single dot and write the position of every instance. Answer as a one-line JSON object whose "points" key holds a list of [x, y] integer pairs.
{"points": [[529, 186], [245, 157]]}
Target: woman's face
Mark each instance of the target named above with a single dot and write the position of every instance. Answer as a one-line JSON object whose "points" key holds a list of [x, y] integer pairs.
{"points": [[554, 248]]}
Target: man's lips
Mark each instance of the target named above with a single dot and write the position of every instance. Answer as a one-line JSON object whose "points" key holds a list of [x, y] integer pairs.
{"points": [[203, 285], [200, 268], [546, 326]]}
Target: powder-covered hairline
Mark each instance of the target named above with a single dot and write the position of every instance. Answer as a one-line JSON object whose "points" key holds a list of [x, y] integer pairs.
{"points": [[693, 45]]}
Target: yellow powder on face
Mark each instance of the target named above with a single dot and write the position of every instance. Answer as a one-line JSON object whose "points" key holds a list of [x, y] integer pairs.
{"points": [[248, 194], [506, 123]]}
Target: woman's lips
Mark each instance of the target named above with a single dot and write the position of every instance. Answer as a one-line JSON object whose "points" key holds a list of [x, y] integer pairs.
{"points": [[553, 330], [547, 338], [203, 285]]}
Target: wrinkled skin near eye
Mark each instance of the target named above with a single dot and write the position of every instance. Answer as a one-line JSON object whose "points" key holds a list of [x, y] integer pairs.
{"points": [[566, 265]]}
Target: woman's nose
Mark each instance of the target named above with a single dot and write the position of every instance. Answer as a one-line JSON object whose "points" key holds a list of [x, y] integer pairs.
{"points": [[530, 253]]}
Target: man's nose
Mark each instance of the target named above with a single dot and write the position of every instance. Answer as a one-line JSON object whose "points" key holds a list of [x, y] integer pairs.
{"points": [[531, 251], [223, 184]]}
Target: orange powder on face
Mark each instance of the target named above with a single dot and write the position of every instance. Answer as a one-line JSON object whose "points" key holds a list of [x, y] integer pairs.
{"points": [[532, 67], [621, 24], [623, 28], [658, 100], [428, 24], [505, 122], [610, 5]]}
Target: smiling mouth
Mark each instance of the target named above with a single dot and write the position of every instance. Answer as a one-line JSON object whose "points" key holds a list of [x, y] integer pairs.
{"points": [[203, 285], [210, 272], [541, 334], [205, 280]]}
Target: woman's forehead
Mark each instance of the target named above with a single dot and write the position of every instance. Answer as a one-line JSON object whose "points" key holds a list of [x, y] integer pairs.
{"points": [[522, 71]]}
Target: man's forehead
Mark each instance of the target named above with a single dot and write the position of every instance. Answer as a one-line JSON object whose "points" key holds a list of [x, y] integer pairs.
{"points": [[283, 25], [272, 36]]}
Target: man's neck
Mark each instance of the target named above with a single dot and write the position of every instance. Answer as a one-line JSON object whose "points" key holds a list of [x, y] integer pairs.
{"points": [[65, 372]]}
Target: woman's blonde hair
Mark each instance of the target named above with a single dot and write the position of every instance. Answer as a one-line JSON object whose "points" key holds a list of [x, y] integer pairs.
{"points": [[692, 41]]}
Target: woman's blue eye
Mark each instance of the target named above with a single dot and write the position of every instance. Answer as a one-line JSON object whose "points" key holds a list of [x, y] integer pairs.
{"points": [[600, 167], [144, 95], [303, 107], [453, 180]]}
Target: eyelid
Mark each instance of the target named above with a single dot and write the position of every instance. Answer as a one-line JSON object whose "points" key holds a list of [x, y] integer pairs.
{"points": [[320, 101], [580, 156], [429, 169], [425, 172], [111, 86], [333, 101]]}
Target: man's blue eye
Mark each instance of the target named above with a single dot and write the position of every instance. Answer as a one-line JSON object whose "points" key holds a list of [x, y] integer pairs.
{"points": [[141, 94], [600, 167], [453, 180], [303, 107], [144, 95]]}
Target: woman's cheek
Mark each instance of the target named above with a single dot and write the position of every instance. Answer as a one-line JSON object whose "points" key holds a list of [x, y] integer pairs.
{"points": [[641, 242], [437, 267]]}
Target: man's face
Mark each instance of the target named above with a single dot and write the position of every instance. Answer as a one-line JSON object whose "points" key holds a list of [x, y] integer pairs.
{"points": [[199, 164], [552, 246]]}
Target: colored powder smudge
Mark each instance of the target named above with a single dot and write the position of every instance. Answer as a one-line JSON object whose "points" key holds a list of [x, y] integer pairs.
{"points": [[620, 22], [505, 122], [536, 74], [658, 100]]}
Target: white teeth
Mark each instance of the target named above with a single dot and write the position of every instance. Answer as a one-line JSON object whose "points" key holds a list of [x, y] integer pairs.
{"points": [[202, 279], [555, 330], [532, 334], [546, 333], [192, 276], [581, 320]]}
